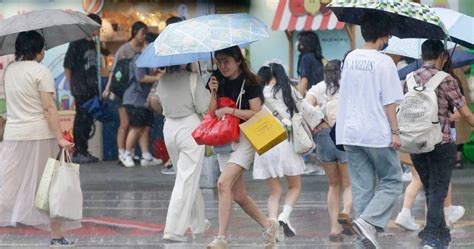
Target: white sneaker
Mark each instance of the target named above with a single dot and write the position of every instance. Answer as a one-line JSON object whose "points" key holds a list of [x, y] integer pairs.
{"points": [[406, 177], [150, 162], [175, 238], [367, 232], [207, 226], [453, 214], [127, 161], [407, 222]]}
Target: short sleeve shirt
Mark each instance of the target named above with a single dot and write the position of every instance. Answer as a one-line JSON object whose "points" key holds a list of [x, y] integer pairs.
{"points": [[125, 51], [24, 81], [81, 59], [311, 68], [137, 93], [369, 81]]}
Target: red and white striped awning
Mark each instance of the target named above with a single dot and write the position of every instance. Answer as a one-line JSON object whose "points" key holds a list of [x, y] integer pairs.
{"points": [[285, 20]]}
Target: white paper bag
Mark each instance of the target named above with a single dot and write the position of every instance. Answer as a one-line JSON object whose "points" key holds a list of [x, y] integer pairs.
{"points": [[65, 194]]}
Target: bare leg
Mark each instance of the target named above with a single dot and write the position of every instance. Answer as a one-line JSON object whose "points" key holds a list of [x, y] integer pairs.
{"points": [[334, 192], [56, 230], [448, 201], [294, 190], [274, 187], [144, 140], [346, 184], [412, 189], [133, 135], [123, 128]]}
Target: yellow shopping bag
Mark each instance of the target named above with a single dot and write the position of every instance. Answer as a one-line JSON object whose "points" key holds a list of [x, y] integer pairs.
{"points": [[42, 194], [263, 131]]}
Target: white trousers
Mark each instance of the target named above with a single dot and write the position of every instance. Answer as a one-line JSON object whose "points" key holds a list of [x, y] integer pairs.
{"points": [[186, 209]]}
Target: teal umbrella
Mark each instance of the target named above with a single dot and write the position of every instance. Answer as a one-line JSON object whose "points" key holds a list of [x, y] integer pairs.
{"points": [[410, 20], [197, 38]]}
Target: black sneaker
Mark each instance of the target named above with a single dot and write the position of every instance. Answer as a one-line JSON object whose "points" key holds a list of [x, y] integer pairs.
{"points": [[81, 158], [61, 243]]}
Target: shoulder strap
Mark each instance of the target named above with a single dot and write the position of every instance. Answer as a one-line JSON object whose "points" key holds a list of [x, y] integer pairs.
{"points": [[434, 82], [239, 98], [193, 84], [411, 82]]}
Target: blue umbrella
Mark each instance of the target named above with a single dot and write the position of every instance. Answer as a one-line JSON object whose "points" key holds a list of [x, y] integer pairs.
{"points": [[458, 58], [197, 38]]}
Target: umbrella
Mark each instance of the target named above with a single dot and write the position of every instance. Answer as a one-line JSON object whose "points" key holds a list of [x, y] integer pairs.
{"points": [[458, 58], [195, 39], [410, 20], [460, 27], [56, 26], [408, 47]]}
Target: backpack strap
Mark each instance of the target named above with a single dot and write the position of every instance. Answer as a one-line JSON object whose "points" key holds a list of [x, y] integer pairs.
{"points": [[434, 82]]}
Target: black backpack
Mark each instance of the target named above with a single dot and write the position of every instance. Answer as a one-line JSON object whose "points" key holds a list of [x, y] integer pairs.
{"points": [[121, 77]]}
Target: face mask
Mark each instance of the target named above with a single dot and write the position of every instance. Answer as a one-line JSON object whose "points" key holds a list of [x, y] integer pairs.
{"points": [[384, 46]]}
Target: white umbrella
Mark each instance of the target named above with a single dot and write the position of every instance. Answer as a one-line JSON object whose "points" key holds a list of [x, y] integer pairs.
{"points": [[408, 47], [460, 27], [56, 26]]}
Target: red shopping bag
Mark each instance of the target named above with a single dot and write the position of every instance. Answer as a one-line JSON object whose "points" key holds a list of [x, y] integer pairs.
{"points": [[217, 132]]}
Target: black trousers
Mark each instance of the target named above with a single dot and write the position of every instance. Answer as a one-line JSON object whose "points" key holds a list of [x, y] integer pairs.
{"points": [[83, 122], [435, 169]]}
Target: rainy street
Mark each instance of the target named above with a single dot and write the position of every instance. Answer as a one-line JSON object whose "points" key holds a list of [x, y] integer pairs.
{"points": [[126, 208]]}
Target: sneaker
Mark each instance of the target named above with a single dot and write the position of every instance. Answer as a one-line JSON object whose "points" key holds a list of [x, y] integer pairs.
{"points": [[175, 238], [127, 161], [168, 171], [150, 162], [431, 244], [61, 243], [407, 222], [207, 226], [444, 243], [367, 232], [288, 230], [271, 234], [346, 223], [453, 214], [406, 177], [84, 158], [218, 243]]}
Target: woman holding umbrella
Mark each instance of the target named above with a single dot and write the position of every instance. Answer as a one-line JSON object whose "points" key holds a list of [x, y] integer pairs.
{"points": [[32, 135], [235, 80]]}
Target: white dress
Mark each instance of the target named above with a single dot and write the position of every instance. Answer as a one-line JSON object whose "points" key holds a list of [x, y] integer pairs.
{"points": [[281, 160]]}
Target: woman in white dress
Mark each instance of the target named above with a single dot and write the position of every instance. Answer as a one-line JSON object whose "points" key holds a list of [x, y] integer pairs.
{"points": [[281, 160], [332, 160]]}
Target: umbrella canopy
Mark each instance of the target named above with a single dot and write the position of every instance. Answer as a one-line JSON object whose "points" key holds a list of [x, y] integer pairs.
{"points": [[56, 26], [408, 47], [410, 20], [195, 39], [460, 27], [458, 58]]}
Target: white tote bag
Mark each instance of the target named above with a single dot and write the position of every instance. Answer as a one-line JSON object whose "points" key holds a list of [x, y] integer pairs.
{"points": [[65, 194]]}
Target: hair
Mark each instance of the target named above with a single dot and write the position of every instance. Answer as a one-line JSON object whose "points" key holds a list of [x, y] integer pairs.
{"points": [[265, 74], [235, 52], [332, 76], [150, 37], [96, 18], [284, 85], [432, 49], [28, 45], [173, 19], [136, 27], [309, 41], [448, 68], [375, 25]]}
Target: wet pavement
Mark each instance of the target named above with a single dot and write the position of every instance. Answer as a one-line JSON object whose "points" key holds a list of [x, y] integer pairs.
{"points": [[126, 208]]}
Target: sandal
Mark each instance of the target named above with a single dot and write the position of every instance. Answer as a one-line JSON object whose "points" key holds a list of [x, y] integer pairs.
{"points": [[346, 222], [459, 165]]}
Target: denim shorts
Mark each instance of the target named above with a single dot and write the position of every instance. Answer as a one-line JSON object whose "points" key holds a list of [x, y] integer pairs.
{"points": [[326, 150]]}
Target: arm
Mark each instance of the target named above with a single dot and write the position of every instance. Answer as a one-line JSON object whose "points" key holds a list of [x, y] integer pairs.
{"points": [[302, 85], [466, 114], [51, 114], [390, 111], [213, 86], [255, 106], [67, 74]]}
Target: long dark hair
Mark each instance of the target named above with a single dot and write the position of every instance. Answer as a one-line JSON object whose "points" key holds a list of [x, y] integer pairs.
{"points": [[136, 27], [284, 85], [265, 74], [332, 75], [448, 68], [235, 52], [28, 45], [309, 43]]}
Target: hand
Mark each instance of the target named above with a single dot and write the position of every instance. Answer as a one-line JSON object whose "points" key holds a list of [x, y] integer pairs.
{"points": [[455, 117], [63, 143], [105, 94], [395, 144], [213, 84], [220, 113], [316, 130]]}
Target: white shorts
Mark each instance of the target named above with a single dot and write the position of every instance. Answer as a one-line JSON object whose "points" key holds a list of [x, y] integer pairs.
{"points": [[243, 155]]}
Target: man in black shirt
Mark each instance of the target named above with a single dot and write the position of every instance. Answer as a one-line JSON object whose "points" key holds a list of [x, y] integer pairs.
{"points": [[81, 69]]}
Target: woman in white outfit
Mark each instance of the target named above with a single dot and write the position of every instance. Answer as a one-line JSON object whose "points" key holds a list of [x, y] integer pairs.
{"points": [[332, 160], [235, 80], [32, 135], [281, 160], [181, 108]]}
